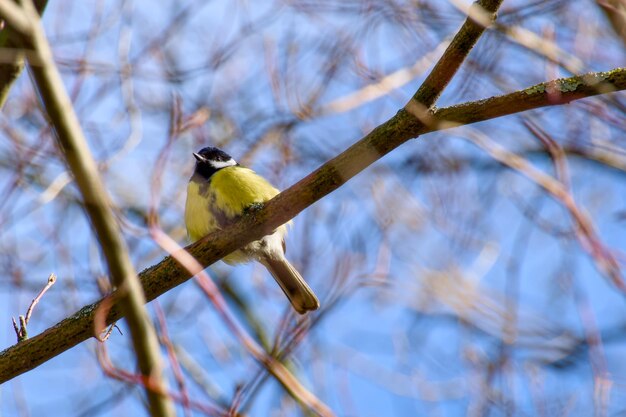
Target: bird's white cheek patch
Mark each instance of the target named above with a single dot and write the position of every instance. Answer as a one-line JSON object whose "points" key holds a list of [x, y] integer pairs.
{"points": [[223, 164]]}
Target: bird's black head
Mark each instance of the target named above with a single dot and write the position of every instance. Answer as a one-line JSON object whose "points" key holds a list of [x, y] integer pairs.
{"points": [[209, 160]]}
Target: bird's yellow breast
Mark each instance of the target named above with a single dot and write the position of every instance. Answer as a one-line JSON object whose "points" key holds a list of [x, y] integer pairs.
{"points": [[223, 197]]}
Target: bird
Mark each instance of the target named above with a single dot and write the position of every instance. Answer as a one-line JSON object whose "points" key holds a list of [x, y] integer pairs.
{"points": [[218, 193]]}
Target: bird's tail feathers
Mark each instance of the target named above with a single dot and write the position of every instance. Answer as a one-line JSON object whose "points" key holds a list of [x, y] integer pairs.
{"points": [[298, 292]]}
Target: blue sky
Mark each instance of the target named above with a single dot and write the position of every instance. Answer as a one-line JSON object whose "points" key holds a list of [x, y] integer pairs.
{"points": [[429, 250]]}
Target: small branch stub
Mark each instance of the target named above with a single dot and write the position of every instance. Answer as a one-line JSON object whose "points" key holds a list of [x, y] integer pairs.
{"points": [[21, 332]]}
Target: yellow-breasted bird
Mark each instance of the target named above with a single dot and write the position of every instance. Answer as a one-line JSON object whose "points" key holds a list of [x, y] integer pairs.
{"points": [[219, 191]]}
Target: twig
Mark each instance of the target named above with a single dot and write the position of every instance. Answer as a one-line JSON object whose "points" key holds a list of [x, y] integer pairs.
{"points": [[171, 353], [150, 384], [51, 280], [100, 319], [107, 334], [383, 86], [482, 14], [604, 259], [527, 39], [585, 230], [274, 367], [21, 332]]}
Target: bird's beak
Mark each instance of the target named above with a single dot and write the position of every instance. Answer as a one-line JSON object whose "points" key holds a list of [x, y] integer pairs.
{"points": [[198, 157]]}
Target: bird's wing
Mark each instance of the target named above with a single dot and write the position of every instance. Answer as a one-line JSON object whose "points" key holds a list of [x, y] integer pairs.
{"points": [[234, 190]]}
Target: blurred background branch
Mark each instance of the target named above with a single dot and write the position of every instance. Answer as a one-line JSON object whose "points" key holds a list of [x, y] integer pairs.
{"points": [[451, 282], [9, 71]]}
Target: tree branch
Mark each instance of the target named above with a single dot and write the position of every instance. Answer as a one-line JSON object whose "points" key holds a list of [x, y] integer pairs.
{"points": [[481, 15], [11, 70], [168, 274], [72, 142]]}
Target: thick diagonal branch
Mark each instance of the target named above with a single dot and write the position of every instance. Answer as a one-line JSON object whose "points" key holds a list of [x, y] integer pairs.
{"points": [[168, 274]]}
